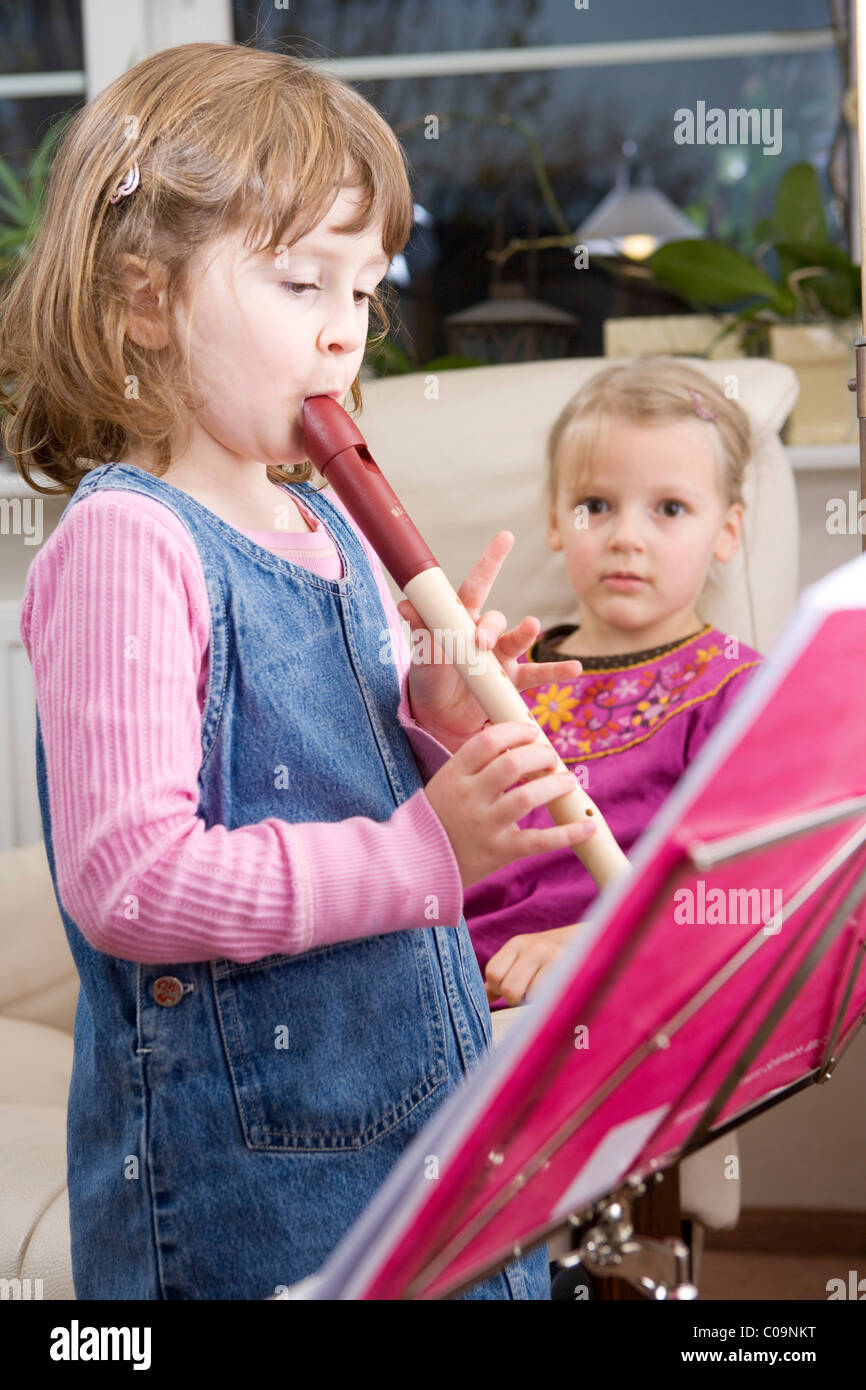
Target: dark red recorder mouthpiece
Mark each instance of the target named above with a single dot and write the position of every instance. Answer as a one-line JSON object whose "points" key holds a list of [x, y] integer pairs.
{"points": [[339, 451]]}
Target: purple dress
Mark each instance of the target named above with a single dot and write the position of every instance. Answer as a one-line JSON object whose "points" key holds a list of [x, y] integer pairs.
{"points": [[627, 727]]}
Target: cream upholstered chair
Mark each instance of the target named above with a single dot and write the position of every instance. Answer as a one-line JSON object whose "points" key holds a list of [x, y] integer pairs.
{"points": [[38, 993], [470, 462], [465, 453], [466, 465]]}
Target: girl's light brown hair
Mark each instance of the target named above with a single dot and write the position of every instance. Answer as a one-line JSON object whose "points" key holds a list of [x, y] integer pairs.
{"points": [[649, 391], [226, 137]]}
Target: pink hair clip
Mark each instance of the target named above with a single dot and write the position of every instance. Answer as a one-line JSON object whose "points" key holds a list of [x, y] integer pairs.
{"points": [[127, 185], [701, 409]]}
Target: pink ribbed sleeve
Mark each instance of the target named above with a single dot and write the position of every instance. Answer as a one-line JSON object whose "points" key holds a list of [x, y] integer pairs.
{"points": [[116, 624]]}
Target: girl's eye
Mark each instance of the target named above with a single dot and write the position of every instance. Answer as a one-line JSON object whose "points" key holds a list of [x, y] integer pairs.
{"points": [[594, 505], [294, 285]]}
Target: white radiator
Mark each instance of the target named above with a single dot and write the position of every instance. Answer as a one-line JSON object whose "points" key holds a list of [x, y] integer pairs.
{"points": [[20, 820]]}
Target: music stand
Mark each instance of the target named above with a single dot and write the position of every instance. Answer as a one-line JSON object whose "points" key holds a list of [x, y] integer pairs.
{"points": [[721, 976]]}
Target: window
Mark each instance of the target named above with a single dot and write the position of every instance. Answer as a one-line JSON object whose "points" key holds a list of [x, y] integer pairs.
{"points": [[471, 63]]}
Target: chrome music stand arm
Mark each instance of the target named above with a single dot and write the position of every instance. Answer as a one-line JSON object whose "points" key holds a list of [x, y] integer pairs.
{"points": [[609, 1249]]}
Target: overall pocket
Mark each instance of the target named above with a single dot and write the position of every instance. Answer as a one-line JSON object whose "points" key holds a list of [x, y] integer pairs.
{"points": [[329, 1049]]}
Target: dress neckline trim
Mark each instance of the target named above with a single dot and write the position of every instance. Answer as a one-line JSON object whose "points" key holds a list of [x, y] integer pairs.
{"points": [[541, 650]]}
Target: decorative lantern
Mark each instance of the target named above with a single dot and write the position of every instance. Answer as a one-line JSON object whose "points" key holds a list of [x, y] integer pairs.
{"points": [[511, 327]]}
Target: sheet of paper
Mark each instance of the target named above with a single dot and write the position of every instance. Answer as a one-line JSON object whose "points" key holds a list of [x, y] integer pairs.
{"points": [[614, 1154]]}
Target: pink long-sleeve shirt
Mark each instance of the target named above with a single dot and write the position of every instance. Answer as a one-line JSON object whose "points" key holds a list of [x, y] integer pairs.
{"points": [[116, 624]]}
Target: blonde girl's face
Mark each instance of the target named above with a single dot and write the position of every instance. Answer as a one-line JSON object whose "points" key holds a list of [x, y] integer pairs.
{"points": [[647, 504], [267, 330]]}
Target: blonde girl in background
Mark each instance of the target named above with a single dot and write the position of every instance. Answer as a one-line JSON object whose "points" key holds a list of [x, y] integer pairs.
{"points": [[259, 833], [644, 488]]}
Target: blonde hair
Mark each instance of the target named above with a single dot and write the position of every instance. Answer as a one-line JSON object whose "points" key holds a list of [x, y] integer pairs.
{"points": [[650, 391], [225, 137]]}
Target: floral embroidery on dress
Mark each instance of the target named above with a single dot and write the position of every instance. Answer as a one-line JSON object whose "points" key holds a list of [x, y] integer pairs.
{"points": [[556, 704], [605, 711]]}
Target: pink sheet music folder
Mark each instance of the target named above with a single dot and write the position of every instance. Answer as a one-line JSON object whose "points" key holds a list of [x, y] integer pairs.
{"points": [[641, 1020]]}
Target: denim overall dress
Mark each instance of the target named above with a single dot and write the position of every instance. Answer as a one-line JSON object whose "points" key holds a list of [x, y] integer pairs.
{"points": [[204, 1160]]}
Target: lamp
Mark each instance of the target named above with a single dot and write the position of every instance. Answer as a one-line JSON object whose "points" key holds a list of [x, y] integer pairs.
{"points": [[633, 222]]}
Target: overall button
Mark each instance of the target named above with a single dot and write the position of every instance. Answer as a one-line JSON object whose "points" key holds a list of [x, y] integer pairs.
{"points": [[167, 990]]}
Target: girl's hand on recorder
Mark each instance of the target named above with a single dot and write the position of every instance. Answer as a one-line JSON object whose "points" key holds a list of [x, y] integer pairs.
{"points": [[476, 799], [439, 698]]}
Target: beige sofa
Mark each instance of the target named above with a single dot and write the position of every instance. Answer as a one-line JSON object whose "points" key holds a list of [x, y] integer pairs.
{"points": [[466, 462], [38, 992]]}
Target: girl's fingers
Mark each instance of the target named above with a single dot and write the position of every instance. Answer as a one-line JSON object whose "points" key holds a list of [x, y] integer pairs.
{"points": [[548, 672], [518, 639], [498, 967], [477, 585], [518, 980], [490, 629], [537, 790], [557, 837], [484, 747]]}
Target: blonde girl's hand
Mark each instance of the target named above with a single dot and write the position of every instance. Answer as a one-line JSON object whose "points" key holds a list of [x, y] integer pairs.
{"points": [[441, 701], [518, 966]]}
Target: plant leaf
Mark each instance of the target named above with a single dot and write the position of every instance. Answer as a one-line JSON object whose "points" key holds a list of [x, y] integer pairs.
{"points": [[15, 188], [817, 253], [711, 273], [842, 282], [798, 213], [44, 155]]}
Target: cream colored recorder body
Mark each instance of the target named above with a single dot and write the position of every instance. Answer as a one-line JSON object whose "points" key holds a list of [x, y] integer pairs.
{"points": [[439, 607]]}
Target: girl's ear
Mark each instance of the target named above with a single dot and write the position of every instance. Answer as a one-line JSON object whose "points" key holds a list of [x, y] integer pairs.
{"points": [[728, 539], [554, 540], [144, 288]]}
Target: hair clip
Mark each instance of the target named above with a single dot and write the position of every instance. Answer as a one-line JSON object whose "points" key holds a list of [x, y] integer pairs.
{"points": [[701, 409], [128, 184]]}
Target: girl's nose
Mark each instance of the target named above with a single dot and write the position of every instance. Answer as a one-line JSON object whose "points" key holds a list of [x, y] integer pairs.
{"points": [[626, 532], [344, 329]]}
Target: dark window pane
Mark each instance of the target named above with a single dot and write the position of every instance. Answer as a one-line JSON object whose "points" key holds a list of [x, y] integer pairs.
{"points": [[41, 36], [24, 123], [356, 28], [579, 118]]}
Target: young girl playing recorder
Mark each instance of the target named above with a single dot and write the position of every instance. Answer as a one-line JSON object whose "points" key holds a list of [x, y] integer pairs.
{"points": [[250, 818]]}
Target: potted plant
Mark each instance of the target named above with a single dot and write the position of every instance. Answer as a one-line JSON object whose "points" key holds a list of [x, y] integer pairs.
{"points": [[798, 300], [22, 200]]}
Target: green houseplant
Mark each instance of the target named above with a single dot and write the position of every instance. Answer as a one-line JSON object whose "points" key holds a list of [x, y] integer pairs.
{"points": [[797, 299], [22, 200]]}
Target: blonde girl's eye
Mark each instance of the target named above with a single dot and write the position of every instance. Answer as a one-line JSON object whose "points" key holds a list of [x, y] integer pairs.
{"points": [[292, 285], [672, 502]]}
